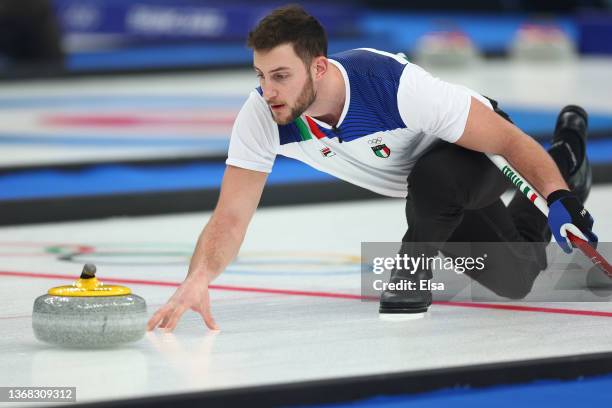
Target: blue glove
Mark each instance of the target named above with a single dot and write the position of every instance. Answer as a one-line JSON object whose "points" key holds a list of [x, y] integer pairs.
{"points": [[567, 214]]}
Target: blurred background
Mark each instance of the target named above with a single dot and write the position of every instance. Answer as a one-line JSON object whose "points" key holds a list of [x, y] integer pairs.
{"points": [[125, 107], [78, 36]]}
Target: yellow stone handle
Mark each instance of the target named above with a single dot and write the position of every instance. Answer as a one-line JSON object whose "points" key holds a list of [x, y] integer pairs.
{"points": [[89, 285]]}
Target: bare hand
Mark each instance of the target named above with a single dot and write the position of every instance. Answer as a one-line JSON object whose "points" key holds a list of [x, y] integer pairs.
{"points": [[192, 294]]}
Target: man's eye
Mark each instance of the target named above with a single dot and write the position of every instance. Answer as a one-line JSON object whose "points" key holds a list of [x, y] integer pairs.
{"points": [[280, 77]]}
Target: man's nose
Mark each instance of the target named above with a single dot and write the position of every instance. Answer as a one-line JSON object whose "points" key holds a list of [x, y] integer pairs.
{"points": [[269, 93]]}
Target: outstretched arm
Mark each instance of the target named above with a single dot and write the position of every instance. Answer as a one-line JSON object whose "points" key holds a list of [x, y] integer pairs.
{"points": [[217, 246]]}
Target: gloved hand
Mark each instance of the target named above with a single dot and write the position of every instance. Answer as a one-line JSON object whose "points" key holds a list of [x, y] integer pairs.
{"points": [[566, 213]]}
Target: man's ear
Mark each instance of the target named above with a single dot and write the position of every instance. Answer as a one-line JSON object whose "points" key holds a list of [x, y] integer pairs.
{"points": [[319, 66]]}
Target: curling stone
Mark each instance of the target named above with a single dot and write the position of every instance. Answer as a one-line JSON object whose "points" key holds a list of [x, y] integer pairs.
{"points": [[89, 314]]}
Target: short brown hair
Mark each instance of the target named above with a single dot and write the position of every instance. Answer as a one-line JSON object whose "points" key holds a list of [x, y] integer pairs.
{"points": [[290, 25]]}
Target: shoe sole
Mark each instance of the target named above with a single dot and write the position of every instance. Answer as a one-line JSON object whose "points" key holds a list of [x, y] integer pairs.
{"points": [[400, 317]]}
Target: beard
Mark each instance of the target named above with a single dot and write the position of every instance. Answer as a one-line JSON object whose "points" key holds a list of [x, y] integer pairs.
{"points": [[304, 100]]}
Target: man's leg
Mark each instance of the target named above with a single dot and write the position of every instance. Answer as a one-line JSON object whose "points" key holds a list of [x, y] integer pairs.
{"points": [[515, 255], [472, 212], [515, 275], [446, 182]]}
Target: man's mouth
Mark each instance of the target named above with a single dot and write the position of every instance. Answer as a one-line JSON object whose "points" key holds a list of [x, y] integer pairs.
{"points": [[277, 107]]}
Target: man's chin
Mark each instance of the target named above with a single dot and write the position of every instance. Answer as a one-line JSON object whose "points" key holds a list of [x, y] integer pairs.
{"points": [[282, 122], [285, 120]]}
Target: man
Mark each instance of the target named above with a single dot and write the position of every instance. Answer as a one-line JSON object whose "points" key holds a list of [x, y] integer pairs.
{"points": [[375, 120]]}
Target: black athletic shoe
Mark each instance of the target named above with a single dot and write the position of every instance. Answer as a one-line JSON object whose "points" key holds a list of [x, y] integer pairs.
{"points": [[573, 121], [406, 301]]}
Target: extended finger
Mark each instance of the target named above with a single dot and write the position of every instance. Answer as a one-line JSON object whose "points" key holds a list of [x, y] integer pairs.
{"points": [[156, 318], [174, 317], [166, 317], [207, 315]]}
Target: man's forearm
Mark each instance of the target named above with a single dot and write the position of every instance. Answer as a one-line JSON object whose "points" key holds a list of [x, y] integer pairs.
{"points": [[535, 164], [217, 246]]}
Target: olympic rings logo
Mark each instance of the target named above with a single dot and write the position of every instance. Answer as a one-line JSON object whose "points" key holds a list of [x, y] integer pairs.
{"points": [[378, 140]]}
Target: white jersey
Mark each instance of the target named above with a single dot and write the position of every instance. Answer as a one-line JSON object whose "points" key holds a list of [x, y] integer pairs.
{"points": [[394, 112]]}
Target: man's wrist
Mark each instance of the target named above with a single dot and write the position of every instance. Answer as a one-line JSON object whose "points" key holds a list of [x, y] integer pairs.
{"points": [[201, 276], [558, 194]]}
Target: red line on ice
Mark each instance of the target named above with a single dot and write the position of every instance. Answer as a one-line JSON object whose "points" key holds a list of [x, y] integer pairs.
{"points": [[516, 308]]}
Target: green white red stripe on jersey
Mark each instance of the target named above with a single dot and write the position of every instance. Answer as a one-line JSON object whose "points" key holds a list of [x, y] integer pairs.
{"points": [[308, 128]]}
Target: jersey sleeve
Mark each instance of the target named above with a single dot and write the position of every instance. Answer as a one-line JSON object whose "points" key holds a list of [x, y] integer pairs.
{"points": [[254, 141], [432, 106]]}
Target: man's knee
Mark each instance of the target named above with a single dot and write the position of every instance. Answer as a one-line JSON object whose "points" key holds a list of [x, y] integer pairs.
{"points": [[518, 290], [514, 287]]}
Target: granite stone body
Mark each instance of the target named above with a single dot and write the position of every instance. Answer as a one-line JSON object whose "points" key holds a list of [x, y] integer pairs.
{"points": [[87, 322]]}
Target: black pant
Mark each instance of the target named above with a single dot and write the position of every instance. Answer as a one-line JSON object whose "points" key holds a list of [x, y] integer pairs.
{"points": [[454, 196]]}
